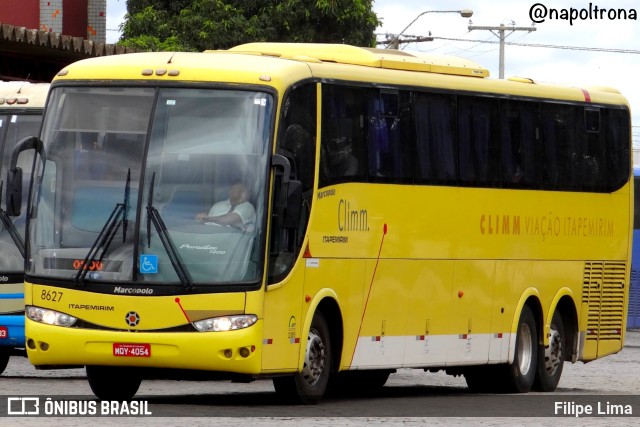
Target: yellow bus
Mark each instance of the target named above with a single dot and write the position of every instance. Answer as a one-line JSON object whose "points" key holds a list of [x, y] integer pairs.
{"points": [[21, 105], [324, 215]]}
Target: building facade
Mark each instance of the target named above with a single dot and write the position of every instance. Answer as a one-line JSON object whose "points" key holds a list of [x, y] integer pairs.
{"points": [[76, 18]]}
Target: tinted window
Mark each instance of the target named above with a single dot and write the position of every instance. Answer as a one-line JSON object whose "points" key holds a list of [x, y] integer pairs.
{"points": [[436, 148], [343, 147], [479, 152], [299, 139], [617, 137], [519, 138], [389, 135], [562, 141]]}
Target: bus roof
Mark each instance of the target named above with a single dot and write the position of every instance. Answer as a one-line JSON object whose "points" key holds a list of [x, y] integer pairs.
{"points": [[189, 67], [16, 94], [281, 64], [370, 57]]}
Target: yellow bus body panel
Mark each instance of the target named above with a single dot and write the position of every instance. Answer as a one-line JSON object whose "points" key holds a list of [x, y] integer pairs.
{"points": [[462, 272]]}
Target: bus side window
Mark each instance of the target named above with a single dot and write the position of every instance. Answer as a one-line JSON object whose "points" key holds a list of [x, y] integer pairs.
{"points": [[342, 150], [388, 130], [479, 152], [297, 142], [617, 141], [299, 133], [520, 134], [436, 146], [593, 154], [562, 141]]}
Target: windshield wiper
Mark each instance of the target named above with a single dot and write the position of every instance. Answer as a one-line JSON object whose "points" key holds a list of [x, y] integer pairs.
{"points": [[153, 216], [107, 233], [11, 228]]}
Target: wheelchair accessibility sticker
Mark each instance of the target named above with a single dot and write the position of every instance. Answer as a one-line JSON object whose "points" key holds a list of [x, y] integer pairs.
{"points": [[148, 264]]}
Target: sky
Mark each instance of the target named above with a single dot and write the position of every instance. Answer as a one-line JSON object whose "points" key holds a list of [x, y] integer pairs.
{"points": [[607, 54]]}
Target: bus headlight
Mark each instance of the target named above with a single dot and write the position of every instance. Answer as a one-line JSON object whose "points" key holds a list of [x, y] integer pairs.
{"points": [[225, 323], [50, 317]]}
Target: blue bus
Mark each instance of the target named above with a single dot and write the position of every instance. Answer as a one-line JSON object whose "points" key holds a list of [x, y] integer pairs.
{"points": [[21, 106]]}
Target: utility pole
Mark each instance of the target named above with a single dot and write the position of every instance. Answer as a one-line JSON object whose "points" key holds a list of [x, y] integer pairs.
{"points": [[500, 33]]}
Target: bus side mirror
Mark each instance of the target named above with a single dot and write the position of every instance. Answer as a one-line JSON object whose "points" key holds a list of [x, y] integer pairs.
{"points": [[293, 206], [288, 202], [13, 200]]}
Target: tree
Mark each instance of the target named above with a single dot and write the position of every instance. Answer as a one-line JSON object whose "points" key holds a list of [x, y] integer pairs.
{"points": [[197, 25]]}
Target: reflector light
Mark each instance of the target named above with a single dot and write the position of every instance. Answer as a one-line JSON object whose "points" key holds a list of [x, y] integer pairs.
{"points": [[147, 72], [307, 252], [11, 101], [23, 100]]}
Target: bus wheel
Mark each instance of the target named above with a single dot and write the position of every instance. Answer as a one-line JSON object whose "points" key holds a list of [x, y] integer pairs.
{"points": [[113, 383], [551, 359], [5, 353], [521, 373], [309, 386]]}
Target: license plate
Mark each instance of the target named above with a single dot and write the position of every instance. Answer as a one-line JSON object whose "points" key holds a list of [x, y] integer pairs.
{"points": [[4, 332], [131, 350]]}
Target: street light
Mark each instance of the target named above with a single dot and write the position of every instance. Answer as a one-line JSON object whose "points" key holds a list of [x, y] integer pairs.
{"points": [[394, 44]]}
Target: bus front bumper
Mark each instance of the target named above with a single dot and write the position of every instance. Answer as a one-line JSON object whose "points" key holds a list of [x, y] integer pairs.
{"points": [[236, 351]]}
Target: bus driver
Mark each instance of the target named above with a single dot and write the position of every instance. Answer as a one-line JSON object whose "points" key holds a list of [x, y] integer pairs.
{"points": [[236, 211]]}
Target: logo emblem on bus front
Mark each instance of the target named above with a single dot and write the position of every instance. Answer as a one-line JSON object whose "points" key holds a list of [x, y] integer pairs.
{"points": [[132, 318]]}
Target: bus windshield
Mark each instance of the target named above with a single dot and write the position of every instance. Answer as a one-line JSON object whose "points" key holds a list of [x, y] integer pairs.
{"points": [[135, 179], [13, 128]]}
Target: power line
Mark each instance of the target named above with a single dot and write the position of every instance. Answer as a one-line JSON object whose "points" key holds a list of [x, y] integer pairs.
{"points": [[548, 46]]}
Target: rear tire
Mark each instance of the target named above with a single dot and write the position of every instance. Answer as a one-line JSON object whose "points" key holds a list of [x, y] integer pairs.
{"points": [[113, 383], [516, 377], [521, 373], [551, 359], [309, 386]]}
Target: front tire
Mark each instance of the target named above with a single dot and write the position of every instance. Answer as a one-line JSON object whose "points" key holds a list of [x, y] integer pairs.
{"points": [[551, 359], [113, 383], [5, 354], [309, 386]]}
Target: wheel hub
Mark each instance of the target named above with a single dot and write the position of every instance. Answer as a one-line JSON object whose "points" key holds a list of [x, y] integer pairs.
{"points": [[315, 358], [553, 353], [525, 349]]}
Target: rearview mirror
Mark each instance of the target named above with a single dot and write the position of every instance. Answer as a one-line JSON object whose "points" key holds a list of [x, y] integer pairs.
{"points": [[13, 199]]}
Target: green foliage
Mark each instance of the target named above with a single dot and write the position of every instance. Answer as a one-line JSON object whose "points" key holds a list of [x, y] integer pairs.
{"points": [[197, 25]]}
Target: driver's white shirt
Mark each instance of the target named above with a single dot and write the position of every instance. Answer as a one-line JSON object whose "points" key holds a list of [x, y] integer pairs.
{"points": [[245, 210]]}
